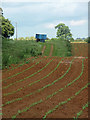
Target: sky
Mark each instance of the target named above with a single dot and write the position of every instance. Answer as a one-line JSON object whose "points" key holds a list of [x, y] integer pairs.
{"points": [[41, 16]]}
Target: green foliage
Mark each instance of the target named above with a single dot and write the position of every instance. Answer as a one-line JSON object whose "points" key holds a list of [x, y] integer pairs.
{"points": [[17, 51], [14, 52], [61, 47], [69, 48], [78, 39], [47, 38], [26, 38], [7, 28], [81, 40], [63, 31], [88, 39], [21, 38], [5, 59], [32, 38]]}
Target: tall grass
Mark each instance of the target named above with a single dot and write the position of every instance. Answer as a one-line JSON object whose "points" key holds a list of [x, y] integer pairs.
{"points": [[61, 48], [14, 52]]}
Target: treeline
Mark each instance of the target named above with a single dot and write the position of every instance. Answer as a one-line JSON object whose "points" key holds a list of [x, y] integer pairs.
{"points": [[26, 38]]}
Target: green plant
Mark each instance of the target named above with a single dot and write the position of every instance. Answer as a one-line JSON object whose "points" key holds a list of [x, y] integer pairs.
{"points": [[6, 94], [18, 51], [25, 77]]}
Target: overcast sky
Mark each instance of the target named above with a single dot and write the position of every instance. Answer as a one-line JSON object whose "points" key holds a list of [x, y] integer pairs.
{"points": [[41, 16]]}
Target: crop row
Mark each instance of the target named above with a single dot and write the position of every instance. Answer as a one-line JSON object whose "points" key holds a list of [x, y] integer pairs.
{"points": [[18, 99], [81, 111], [6, 94], [48, 85], [24, 70], [27, 76], [12, 68], [63, 102], [49, 96], [52, 110]]}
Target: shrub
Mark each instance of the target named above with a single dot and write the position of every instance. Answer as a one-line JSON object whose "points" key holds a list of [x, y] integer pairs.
{"points": [[5, 60]]}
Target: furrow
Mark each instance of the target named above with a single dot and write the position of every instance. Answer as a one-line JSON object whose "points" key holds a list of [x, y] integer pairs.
{"points": [[81, 111], [41, 89], [27, 76], [6, 94], [21, 71], [51, 110]]}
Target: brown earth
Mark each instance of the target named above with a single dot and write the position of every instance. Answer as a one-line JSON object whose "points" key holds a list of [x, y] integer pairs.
{"points": [[7, 73], [43, 49], [27, 72], [67, 110], [80, 49], [51, 50]]}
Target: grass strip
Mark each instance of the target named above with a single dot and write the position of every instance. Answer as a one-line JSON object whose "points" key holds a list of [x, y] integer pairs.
{"points": [[6, 94], [17, 99], [28, 76]]}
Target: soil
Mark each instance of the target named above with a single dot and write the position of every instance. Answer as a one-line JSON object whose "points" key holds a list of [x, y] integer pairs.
{"points": [[80, 49], [68, 110], [43, 49], [51, 50]]}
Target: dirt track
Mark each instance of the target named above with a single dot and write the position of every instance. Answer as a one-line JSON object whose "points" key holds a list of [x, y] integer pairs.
{"points": [[51, 50], [68, 110], [43, 49]]}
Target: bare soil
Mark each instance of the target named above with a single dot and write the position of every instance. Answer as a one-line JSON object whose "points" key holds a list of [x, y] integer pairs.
{"points": [[68, 110], [51, 50]]}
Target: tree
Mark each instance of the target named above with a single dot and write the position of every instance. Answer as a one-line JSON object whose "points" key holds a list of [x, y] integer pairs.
{"points": [[7, 28], [88, 39], [32, 38], [63, 31], [1, 12], [21, 38]]}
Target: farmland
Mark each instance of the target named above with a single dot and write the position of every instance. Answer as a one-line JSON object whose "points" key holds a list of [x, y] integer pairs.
{"points": [[47, 86]]}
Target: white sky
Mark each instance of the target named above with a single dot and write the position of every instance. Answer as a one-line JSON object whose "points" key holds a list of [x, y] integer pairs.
{"points": [[41, 16], [45, 0]]}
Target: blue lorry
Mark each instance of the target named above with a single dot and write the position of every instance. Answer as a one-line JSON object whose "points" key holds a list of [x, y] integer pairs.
{"points": [[41, 37]]}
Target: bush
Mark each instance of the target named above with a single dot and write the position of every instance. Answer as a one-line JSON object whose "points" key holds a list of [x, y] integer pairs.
{"points": [[20, 54], [34, 52], [88, 40], [68, 45], [5, 59], [15, 52]]}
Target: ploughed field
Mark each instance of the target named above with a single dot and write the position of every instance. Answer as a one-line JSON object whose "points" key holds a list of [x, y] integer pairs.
{"points": [[80, 49], [46, 87]]}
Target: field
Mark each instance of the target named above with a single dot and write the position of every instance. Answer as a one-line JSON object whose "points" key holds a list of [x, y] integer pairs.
{"points": [[80, 49], [15, 52], [48, 87]]}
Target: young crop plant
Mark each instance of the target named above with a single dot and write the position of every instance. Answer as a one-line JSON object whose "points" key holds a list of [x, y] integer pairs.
{"points": [[28, 76], [22, 71], [6, 94], [41, 89], [52, 110], [64, 102], [49, 96]]}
